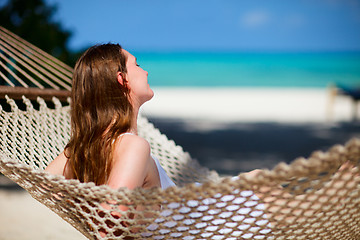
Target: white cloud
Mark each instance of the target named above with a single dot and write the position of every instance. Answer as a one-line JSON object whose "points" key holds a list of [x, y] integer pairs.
{"points": [[254, 19]]}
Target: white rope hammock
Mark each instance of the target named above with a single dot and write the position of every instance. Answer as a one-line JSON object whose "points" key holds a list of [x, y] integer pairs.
{"points": [[318, 200]]}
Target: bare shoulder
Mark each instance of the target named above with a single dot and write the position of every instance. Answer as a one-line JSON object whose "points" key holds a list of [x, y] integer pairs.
{"points": [[57, 165], [132, 142], [130, 145]]}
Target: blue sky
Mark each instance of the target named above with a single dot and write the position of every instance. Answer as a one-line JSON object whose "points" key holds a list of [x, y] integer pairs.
{"points": [[214, 25]]}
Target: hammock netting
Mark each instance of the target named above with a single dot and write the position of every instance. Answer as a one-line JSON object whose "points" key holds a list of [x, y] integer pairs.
{"points": [[314, 198]]}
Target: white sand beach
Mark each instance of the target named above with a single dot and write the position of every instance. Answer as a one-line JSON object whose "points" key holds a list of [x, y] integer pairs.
{"points": [[297, 105], [22, 217]]}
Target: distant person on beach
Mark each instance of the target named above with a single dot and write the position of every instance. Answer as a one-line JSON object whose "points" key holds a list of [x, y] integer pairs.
{"points": [[108, 89]]}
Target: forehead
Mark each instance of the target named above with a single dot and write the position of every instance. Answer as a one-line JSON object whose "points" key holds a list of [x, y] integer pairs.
{"points": [[129, 56]]}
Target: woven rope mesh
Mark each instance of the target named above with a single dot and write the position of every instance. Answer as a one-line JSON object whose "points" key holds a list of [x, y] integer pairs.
{"points": [[315, 198]]}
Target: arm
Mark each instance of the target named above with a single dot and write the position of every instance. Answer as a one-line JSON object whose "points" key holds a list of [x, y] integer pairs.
{"points": [[130, 167], [130, 162]]}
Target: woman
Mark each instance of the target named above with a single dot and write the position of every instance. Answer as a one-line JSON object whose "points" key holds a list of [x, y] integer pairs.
{"points": [[108, 89]]}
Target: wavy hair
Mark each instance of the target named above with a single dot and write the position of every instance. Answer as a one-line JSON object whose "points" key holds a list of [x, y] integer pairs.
{"points": [[100, 111]]}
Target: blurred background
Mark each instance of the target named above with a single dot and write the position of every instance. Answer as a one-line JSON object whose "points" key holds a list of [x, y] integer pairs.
{"points": [[238, 84]]}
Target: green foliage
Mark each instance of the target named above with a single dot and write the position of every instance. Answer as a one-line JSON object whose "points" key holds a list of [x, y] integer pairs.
{"points": [[33, 20]]}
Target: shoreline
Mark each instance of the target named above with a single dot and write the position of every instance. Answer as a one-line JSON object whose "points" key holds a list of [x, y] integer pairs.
{"points": [[228, 105]]}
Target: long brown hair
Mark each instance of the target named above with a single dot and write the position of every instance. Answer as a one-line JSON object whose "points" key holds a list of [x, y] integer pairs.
{"points": [[100, 112]]}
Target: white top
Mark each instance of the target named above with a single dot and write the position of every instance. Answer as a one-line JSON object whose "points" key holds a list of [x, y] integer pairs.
{"points": [[165, 181], [164, 178]]}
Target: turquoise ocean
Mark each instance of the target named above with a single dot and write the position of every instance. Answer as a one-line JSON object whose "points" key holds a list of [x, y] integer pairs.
{"points": [[247, 69]]}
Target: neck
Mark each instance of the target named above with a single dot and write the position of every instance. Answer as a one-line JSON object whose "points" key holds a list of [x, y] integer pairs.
{"points": [[133, 128]]}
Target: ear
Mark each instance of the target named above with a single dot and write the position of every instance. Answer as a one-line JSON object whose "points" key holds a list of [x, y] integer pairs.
{"points": [[120, 78]]}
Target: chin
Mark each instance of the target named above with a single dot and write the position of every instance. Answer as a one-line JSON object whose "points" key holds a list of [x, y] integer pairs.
{"points": [[148, 96], [151, 93]]}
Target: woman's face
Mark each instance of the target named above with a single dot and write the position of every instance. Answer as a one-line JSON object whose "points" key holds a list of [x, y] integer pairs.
{"points": [[136, 77]]}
